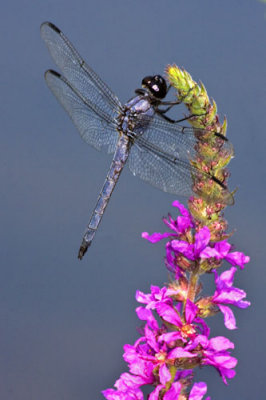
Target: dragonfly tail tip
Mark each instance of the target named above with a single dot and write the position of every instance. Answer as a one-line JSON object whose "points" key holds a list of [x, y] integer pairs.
{"points": [[83, 249]]}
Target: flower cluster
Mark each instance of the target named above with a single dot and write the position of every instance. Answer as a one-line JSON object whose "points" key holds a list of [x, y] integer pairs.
{"points": [[175, 338]]}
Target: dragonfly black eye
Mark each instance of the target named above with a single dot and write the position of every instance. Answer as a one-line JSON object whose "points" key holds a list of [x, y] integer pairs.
{"points": [[156, 85]]}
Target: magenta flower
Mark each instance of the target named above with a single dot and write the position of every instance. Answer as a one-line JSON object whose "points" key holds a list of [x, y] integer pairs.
{"points": [[152, 299], [151, 357], [192, 250], [214, 352], [197, 392], [169, 312], [174, 338], [179, 252], [127, 389], [179, 226], [220, 251], [171, 315], [226, 293], [200, 249]]}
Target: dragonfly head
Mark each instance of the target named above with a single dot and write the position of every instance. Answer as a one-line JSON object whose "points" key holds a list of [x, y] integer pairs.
{"points": [[156, 86]]}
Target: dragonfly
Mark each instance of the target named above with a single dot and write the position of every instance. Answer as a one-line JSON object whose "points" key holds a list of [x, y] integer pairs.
{"points": [[157, 149]]}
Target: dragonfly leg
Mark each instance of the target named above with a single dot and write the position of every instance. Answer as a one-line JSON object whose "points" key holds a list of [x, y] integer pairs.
{"points": [[165, 103], [173, 121], [173, 103]]}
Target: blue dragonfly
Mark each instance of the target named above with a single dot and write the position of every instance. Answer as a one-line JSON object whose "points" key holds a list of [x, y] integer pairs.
{"points": [[156, 148]]}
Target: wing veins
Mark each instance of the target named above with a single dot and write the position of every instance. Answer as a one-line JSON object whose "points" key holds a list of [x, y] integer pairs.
{"points": [[174, 160], [100, 113], [88, 71], [159, 152]]}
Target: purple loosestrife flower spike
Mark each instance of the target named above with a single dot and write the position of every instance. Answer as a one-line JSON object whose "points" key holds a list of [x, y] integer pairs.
{"points": [[174, 337]]}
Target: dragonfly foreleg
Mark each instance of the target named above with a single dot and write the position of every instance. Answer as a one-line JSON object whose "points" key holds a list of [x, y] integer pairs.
{"points": [[173, 121]]}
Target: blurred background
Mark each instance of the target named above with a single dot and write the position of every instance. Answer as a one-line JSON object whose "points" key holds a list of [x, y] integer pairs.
{"points": [[64, 322]]}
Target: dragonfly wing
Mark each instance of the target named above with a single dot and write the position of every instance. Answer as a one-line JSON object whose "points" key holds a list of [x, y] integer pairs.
{"points": [[147, 162], [96, 127], [169, 171], [76, 71], [181, 140]]}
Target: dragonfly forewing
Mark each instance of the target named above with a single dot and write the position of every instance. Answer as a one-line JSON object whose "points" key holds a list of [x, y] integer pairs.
{"points": [[76, 71], [96, 127]]}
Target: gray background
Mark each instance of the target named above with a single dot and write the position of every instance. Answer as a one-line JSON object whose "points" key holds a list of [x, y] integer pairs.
{"points": [[64, 322]]}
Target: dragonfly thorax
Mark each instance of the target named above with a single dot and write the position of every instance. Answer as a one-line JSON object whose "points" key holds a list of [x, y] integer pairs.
{"points": [[136, 115]]}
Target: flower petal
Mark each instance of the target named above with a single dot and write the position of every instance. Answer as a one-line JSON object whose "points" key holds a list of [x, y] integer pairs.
{"points": [[229, 318], [156, 236], [190, 311], [210, 252], [184, 223], [145, 314], [154, 395], [173, 392], [227, 277], [128, 381], [223, 247], [198, 390], [182, 208], [220, 343], [179, 352], [142, 297], [183, 247], [202, 239], [164, 374], [168, 313], [237, 258], [112, 394], [170, 337]]}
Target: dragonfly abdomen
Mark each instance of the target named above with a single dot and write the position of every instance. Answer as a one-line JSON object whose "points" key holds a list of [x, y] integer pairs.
{"points": [[118, 162]]}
